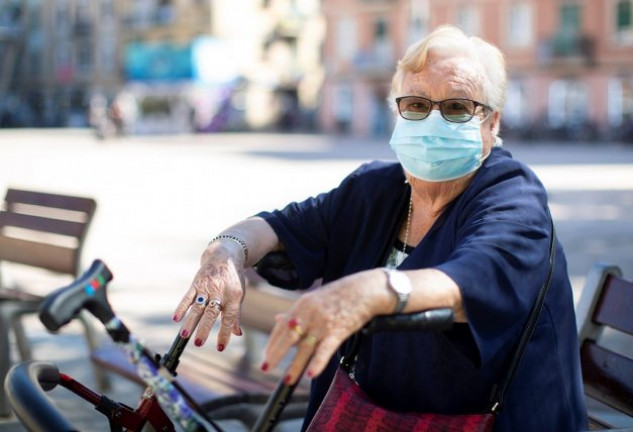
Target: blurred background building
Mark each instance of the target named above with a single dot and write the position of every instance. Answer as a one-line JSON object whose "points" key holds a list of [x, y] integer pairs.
{"points": [[173, 66], [570, 63], [161, 66]]}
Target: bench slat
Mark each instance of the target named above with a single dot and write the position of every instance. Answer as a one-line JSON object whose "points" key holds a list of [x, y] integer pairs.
{"points": [[608, 376], [44, 199], [614, 306], [43, 224], [205, 376], [47, 256]]}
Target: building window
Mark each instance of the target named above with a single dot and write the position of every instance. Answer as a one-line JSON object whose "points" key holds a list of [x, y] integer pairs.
{"points": [[382, 42], [515, 109], [468, 20], [343, 106], [62, 57], [84, 58], [380, 30], [519, 25], [567, 103], [620, 109], [107, 10], [624, 15], [34, 51], [62, 18], [346, 38], [108, 53], [419, 20], [567, 41], [623, 26], [569, 16]]}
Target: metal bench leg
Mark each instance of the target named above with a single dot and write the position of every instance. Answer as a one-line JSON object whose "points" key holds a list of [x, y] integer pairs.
{"points": [[101, 377], [10, 313], [21, 340], [5, 356], [250, 349]]}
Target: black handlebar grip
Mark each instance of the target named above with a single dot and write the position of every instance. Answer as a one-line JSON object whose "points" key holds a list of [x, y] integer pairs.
{"points": [[87, 292], [433, 319], [24, 386]]}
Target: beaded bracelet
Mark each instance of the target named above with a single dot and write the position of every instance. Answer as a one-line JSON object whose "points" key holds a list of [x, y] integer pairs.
{"points": [[237, 240]]}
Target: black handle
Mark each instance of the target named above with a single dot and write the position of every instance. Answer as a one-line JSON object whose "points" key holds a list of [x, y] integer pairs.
{"points": [[87, 292], [24, 386], [433, 319]]}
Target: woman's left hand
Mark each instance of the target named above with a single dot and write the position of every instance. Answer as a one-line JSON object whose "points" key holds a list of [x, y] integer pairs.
{"points": [[321, 320]]}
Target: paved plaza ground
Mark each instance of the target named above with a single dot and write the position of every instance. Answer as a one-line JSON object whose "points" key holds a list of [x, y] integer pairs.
{"points": [[161, 198]]}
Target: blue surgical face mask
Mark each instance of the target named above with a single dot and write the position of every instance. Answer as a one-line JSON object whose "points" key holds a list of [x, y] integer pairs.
{"points": [[435, 149]]}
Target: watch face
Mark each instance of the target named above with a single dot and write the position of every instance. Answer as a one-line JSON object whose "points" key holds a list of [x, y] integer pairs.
{"points": [[399, 282]]}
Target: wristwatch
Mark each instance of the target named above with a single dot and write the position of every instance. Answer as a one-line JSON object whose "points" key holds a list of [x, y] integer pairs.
{"points": [[400, 284]]}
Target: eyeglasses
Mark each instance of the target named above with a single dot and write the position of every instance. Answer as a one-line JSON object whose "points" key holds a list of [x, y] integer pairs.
{"points": [[453, 110]]}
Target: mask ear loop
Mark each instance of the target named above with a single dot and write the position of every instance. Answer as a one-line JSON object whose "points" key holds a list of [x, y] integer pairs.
{"points": [[498, 141]]}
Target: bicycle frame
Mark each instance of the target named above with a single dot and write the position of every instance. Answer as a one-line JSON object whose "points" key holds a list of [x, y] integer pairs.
{"points": [[120, 416], [164, 402]]}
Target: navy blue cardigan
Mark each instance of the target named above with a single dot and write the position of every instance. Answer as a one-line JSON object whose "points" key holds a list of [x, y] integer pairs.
{"points": [[493, 241]]}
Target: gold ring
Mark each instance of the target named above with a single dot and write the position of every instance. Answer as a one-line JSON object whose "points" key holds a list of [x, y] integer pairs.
{"points": [[310, 339], [293, 324], [298, 330]]}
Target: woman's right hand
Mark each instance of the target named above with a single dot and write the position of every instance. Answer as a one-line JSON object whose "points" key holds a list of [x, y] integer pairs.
{"points": [[216, 292]]}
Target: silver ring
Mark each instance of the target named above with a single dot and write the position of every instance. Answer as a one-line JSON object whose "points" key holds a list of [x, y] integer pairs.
{"points": [[201, 300], [216, 303]]}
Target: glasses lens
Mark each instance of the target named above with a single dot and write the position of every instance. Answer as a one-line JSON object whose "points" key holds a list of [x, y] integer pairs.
{"points": [[457, 110], [414, 108]]}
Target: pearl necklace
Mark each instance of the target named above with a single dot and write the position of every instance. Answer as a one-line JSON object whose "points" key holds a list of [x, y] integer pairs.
{"points": [[406, 231]]}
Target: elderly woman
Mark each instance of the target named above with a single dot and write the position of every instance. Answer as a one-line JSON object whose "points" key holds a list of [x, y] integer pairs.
{"points": [[457, 223]]}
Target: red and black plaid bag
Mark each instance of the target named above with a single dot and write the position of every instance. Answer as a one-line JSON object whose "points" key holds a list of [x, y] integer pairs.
{"points": [[347, 408]]}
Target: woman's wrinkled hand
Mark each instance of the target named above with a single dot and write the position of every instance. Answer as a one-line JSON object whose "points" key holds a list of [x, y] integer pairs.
{"points": [[321, 320], [216, 292]]}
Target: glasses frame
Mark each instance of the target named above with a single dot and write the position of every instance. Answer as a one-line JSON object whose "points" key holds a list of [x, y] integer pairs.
{"points": [[438, 104]]}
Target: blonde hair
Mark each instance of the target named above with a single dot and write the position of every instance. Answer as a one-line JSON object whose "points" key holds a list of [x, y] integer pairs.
{"points": [[449, 38]]}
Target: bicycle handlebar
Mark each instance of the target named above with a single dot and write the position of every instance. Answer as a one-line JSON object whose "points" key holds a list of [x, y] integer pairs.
{"points": [[89, 292], [25, 387]]}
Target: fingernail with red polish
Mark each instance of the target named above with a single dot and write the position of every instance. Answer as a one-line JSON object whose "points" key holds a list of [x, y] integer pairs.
{"points": [[309, 374], [264, 366], [287, 379], [241, 332], [220, 347], [175, 318], [198, 342], [184, 333]]}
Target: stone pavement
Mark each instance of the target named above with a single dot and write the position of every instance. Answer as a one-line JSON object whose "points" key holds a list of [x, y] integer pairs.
{"points": [[161, 198]]}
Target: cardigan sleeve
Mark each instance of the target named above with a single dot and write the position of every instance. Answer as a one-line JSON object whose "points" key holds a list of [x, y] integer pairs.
{"points": [[500, 257], [304, 230], [346, 229]]}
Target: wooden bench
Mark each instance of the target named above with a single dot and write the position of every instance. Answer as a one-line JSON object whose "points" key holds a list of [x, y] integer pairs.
{"points": [[605, 321], [43, 231]]}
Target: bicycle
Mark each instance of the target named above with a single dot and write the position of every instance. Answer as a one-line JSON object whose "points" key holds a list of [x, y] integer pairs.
{"points": [[164, 405]]}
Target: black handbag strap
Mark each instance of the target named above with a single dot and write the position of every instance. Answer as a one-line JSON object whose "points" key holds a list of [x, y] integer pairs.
{"points": [[499, 392]]}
